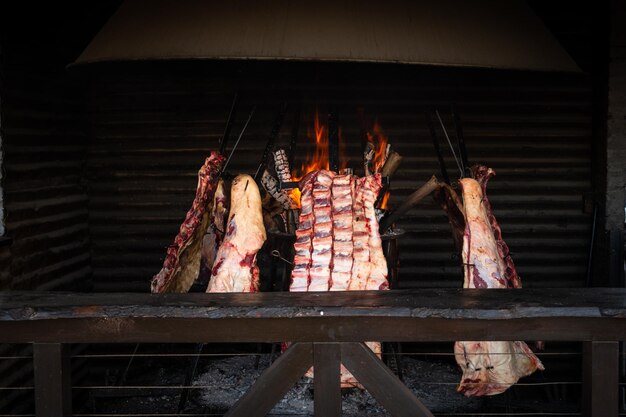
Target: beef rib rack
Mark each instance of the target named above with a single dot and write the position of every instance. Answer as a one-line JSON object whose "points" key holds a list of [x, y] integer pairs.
{"points": [[338, 245], [489, 368]]}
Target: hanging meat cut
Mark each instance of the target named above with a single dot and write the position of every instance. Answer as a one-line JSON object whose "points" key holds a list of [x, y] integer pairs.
{"points": [[338, 245], [182, 260], [489, 368], [343, 235], [235, 268], [214, 233]]}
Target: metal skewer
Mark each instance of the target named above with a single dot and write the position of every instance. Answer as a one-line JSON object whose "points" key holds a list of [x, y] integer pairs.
{"points": [[445, 132], [229, 123], [232, 151]]}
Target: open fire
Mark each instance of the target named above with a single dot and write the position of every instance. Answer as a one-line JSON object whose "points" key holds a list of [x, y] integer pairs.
{"points": [[319, 158], [334, 217]]}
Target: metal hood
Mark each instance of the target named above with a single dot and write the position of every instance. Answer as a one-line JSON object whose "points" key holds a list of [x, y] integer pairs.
{"points": [[480, 33]]}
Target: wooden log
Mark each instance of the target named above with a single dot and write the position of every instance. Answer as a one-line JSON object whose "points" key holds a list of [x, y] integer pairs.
{"points": [[270, 184], [281, 165], [391, 164], [368, 156], [417, 196]]}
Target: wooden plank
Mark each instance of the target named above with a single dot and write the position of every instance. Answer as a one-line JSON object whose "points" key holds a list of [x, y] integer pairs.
{"points": [[326, 360], [446, 303], [306, 329], [274, 382], [600, 379], [53, 380], [420, 315], [390, 392]]}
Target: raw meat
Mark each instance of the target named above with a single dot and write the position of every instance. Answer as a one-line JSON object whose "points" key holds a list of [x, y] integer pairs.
{"points": [[342, 191], [489, 368], [321, 256], [235, 268], [214, 234], [377, 279], [369, 271], [182, 260], [361, 265], [303, 246], [338, 245]]}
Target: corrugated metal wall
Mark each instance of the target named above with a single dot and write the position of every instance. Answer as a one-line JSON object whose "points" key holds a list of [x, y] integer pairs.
{"points": [[151, 127], [44, 147], [45, 199]]}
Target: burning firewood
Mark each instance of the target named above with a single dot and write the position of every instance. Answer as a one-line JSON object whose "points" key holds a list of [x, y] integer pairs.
{"points": [[426, 189], [489, 368], [392, 163], [271, 183], [182, 261], [368, 157], [281, 165]]}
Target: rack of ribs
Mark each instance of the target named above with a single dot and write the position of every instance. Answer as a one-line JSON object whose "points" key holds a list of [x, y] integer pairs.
{"points": [[489, 368], [235, 269], [338, 245], [182, 260]]}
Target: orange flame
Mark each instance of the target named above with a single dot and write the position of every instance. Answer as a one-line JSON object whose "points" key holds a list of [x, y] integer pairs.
{"points": [[383, 203], [380, 141], [318, 160], [294, 195]]}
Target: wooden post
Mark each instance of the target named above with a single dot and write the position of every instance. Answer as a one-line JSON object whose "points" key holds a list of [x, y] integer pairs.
{"points": [[326, 360], [600, 379], [53, 380]]}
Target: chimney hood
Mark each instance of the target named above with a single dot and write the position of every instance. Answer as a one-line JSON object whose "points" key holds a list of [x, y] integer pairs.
{"points": [[479, 33]]}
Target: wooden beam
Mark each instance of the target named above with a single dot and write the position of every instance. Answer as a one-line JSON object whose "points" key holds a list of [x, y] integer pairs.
{"points": [[274, 382], [326, 359], [53, 380], [352, 316], [600, 379], [372, 373]]}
